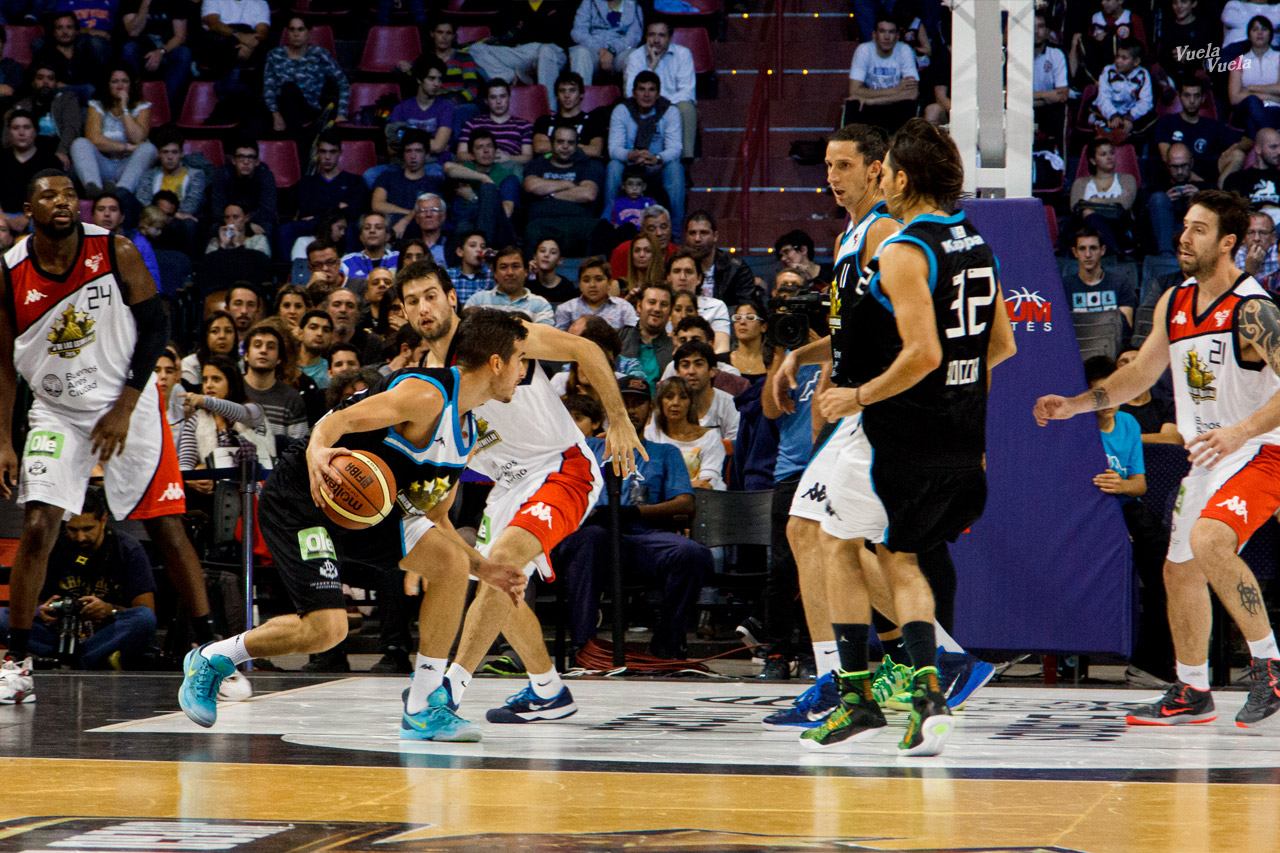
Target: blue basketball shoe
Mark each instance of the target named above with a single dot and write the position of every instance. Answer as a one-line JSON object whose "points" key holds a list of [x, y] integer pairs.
{"points": [[439, 721], [528, 707], [962, 674], [201, 678], [810, 708]]}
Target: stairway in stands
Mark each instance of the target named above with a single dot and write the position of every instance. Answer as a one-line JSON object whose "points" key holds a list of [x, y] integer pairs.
{"points": [[818, 48]]}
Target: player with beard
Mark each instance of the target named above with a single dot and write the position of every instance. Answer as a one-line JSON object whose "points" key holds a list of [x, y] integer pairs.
{"points": [[81, 322], [1219, 331], [545, 482]]}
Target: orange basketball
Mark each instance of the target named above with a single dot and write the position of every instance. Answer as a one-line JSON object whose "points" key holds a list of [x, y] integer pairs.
{"points": [[364, 493]]}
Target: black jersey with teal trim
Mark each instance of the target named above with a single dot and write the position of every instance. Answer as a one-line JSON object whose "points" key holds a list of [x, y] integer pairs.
{"points": [[844, 286], [941, 421], [424, 475]]}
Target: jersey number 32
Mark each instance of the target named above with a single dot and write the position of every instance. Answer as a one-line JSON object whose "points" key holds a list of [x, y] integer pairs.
{"points": [[975, 288]]}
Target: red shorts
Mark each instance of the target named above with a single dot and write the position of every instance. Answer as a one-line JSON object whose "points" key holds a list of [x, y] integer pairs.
{"points": [[1242, 491]]}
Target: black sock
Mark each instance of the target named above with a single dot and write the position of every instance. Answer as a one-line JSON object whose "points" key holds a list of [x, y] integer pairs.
{"points": [[18, 638], [851, 642], [918, 637], [202, 626], [894, 649]]}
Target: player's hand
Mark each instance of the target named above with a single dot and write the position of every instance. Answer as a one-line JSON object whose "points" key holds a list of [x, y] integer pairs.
{"points": [[502, 577], [1110, 482], [320, 470], [783, 381], [837, 403], [93, 608], [1208, 448], [8, 468], [111, 430], [621, 444], [1052, 407]]}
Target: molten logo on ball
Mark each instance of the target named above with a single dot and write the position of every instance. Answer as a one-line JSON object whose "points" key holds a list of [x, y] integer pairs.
{"points": [[362, 494]]}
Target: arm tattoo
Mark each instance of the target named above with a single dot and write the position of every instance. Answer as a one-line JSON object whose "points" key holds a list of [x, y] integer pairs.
{"points": [[1101, 399], [1250, 600], [1260, 326]]}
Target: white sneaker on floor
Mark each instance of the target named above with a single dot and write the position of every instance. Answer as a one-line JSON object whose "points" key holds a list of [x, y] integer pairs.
{"points": [[17, 687], [236, 687]]}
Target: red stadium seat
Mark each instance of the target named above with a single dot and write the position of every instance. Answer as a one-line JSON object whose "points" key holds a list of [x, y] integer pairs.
{"points": [[17, 42], [281, 156], [201, 99], [457, 10], [210, 148], [388, 45], [321, 36], [155, 92], [466, 35], [600, 96], [699, 44], [358, 156], [1126, 163], [366, 95], [529, 102]]}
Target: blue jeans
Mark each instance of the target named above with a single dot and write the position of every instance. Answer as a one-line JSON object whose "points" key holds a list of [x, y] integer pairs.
{"points": [[672, 183], [174, 69], [1258, 115], [128, 631], [1164, 221]]}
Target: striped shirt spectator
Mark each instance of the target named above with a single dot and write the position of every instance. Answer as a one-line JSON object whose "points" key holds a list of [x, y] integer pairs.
{"points": [[511, 135]]}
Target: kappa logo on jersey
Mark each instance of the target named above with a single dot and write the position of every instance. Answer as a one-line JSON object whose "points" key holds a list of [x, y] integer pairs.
{"points": [[1029, 308], [961, 242], [93, 262], [1220, 317], [540, 511], [817, 492], [173, 492], [72, 332], [45, 443], [1239, 507], [33, 296], [1199, 378], [314, 544]]}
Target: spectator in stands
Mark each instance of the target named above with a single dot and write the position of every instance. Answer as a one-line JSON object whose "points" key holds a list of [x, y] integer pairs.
{"points": [[532, 48], [595, 301], [561, 191], [21, 159], [344, 310], [108, 213], [391, 317], [725, 277], [684, 274], [644, 131], [217, 337], [1110, 25], [328, 188], [628, 207], [426, 111], [244, 304], [1123, 107], [412, 251], [752, 355], [220, 422], [675, 422], [314, 338], [265, 362], [487, 191], [248, 182], [691, 327], [1171, 196], [325, 265], [795, 251], [1154, 413], [427, 225], [341, 357], [462, 75], [373, 253], [300, 79], [1237, 20], [114, 151], [587, 413], [1091, 288], [397, 188], [342, 386], [1261, 182], [291, 305], [696, 363], [376, 286], [234, 233], [1257, 255], [592, 127], [235, 34], [1182, 36], [1253, 86], [12, 73], [157, 42], [404, 349], [884, 82], [648, 341], [655, 223], [1211, 142], [57, 112], [1104, 199], [168, 371], [186, 176], [472, 274], [641, 268], [673, 65], [509, 292], [513, 134], [604, 34], [545, 279], [108, 572], [1048, 83], [654, 503], [72, 56]]}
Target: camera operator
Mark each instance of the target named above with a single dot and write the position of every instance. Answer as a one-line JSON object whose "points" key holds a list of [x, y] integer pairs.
{"points": [[108, 576]]}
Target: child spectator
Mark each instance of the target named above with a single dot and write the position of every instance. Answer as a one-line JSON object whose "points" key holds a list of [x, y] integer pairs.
{"points": [[628, 207], [1123, 106], [587, 413]]}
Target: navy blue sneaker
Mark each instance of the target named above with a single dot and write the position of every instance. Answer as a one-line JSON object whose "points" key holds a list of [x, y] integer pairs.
{"points": [[528, 707], [810, 708], [961, 675], [201, 678], [439, 721]]}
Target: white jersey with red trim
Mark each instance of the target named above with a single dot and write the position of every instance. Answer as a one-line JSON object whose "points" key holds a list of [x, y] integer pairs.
{"points": [[1213, 386], [75, 333]]}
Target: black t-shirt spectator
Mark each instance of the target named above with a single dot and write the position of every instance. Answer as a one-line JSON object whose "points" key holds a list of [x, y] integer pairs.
{"points": [[583, 168], [317, 194], [160, 16], [15, 176], [1260, 186], [1204, 31], [403, 192], [1207, 139], [80, 70], [589, 125], [1153, 415], [118, 572], [564, 291], [255, 194]]}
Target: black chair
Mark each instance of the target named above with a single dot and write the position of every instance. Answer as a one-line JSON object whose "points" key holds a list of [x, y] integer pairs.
{"points": [[728, 519], [1098, 332]]}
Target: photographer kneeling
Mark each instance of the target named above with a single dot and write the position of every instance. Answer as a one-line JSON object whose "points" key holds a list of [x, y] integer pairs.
{"points": [[98, 596]]}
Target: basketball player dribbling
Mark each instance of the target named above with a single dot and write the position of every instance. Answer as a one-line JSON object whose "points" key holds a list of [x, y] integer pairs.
{"points": [[419, 423], [81, 322], [1219, 331]]}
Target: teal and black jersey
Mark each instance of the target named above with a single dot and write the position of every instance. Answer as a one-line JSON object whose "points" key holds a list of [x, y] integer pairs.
{"points": [[844, 284], [941, 421]]}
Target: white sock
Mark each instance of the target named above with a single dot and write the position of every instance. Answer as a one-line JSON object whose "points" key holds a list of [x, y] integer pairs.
{"points": [[459, 680], [1196, 677], [1265, 649], [546, 684], [232, 648], [428, 674], [945, 640], [826, 657]]}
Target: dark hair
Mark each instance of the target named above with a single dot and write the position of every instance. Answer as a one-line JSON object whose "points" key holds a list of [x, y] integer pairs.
{"points": [[885, 18], [95, 500], [414, 136], [402, 261], [109, 194], [681, 255], [1086, 231], [1231, 208], [495, 83], [243, 285], [406, 335], [796, 238], [599, 262], [1098, 367], [1133, 47], [635, 172], [658, 285], [329, 137], [461, 239], [282, 345], [228, 368], [646, 76], [485, 332], [581, 405], [423, 269], [693, 321], [678, 384], [570, 77], [477, 135], [599, 332], [13, 114], [701, 216], [319, 245], [244, 142], [166, 195], [931, 161], [665, 23], [292, 289], [1191, 81], [333, 394], [1091, 152], [426, 63], [389, 298], [334, 349], [556, 127], [315, 312], [40, 176], [872, 140], [103, 89], [202, 343], [36, 67], [1264, 21], [507, 251], [694, 348]]}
